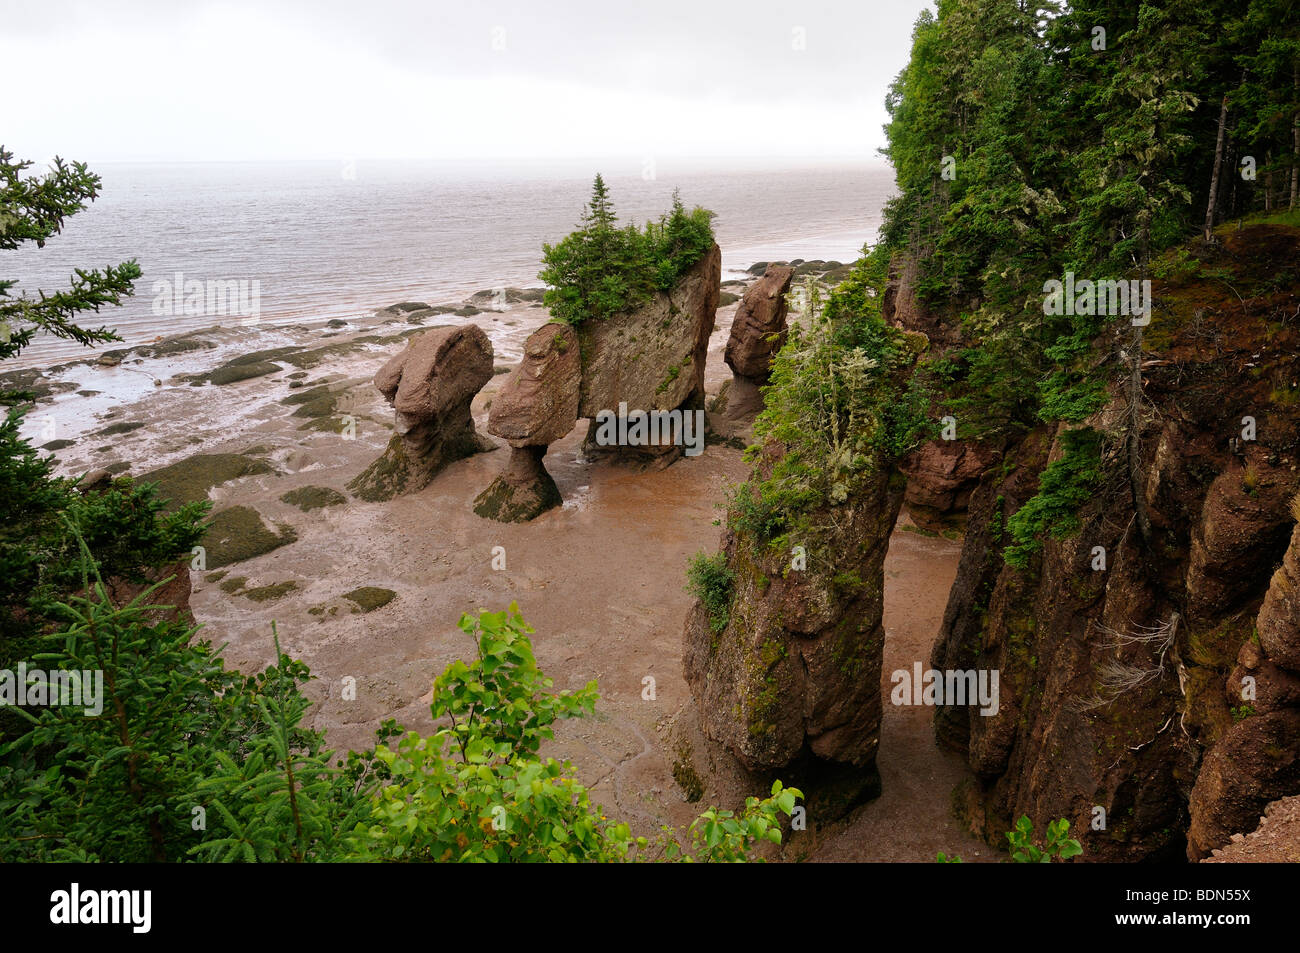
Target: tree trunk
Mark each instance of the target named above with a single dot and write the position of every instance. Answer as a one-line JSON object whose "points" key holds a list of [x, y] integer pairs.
{"points": [[1295, 141], [1214, 176], [1268, 186], [1134, 440]]}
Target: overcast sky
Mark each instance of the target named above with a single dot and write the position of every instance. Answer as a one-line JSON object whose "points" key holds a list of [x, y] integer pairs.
{"points": [[312, 79]]}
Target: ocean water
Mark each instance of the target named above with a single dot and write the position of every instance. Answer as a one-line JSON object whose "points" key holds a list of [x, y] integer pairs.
{"points": [[329, 240]]}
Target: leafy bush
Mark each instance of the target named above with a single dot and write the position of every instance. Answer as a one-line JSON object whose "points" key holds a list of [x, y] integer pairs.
{"points": [[840, 402], [190, 761], [1023, 849], [1057, 847], [710, 580], [600, 269], [1063, 488]]}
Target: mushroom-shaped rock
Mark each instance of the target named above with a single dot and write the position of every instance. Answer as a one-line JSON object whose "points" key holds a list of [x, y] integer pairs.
{"points": [[538, 404], [430, 385]]}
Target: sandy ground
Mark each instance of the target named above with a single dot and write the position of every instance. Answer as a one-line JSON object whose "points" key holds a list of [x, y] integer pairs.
{"points": [[601, 579]]}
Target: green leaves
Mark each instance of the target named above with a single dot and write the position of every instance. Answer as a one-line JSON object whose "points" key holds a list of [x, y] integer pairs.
{"points": [[709, 579], [181, 738], [1058, 846], [1064, 486], [600, 269]]}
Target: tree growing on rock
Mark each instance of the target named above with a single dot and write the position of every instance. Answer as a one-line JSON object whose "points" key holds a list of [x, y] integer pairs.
{"points": [[600, 269]]}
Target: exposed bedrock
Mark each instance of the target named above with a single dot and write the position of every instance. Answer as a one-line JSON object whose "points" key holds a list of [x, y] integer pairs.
{"points": [[537, 405], [1258, 758], [941, 477], [430, 385], [650, 359], [901, 307]]}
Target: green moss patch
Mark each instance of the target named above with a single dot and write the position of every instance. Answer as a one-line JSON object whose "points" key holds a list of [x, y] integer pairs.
{"points": [[313, 497], [234, 583], [267, 593], [315, 402], [238, 533], [370, 598], [386, 477], [190, 479], [230, 374], [113, 430]]}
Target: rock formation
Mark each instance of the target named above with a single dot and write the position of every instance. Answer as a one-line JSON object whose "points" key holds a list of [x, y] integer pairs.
{"points": [[791, 683], [537, 405], [757, 333], [430, 385], [1138, 685], [941, 476], [650, 358], [798, 665], [1258, 758]]}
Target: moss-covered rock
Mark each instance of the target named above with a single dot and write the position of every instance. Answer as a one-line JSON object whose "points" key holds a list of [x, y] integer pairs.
{"points": [[113, 430], [267, 593], [227, 374], [522, 492], [369, 598], [190, 479], [308, 498], [238, 533]]}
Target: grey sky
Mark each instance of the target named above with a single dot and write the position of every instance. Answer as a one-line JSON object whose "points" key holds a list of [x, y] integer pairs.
{"points": [[255, 79]]}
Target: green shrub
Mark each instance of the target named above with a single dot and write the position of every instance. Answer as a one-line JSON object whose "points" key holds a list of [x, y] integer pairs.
{"points": [[1023, 849], [600, 269], [1064, 487], [710, 580], [840, 403], [191, 761]]}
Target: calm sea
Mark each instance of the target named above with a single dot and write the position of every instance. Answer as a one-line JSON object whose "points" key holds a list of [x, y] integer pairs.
{"points": [[339, 239]]}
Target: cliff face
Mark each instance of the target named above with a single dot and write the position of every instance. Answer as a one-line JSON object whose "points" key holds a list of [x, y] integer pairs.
{"points": [[1164, 688]]}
